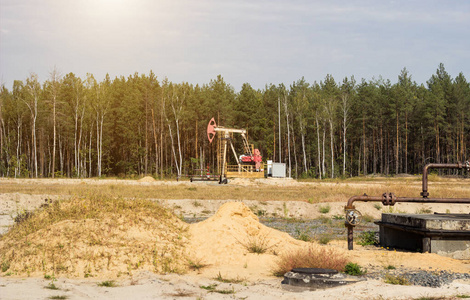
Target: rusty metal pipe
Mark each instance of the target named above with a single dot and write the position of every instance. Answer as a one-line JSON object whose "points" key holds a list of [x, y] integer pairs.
{"points": [[391, 199], [366, 198], [459, 165]]}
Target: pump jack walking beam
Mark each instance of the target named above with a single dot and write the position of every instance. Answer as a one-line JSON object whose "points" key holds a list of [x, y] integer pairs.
{"points": [[212, 129]]}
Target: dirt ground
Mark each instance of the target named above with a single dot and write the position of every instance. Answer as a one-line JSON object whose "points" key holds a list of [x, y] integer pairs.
{"points": [[218, 241]]}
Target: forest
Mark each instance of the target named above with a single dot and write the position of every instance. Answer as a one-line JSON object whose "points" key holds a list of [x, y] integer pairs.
{"points": [[142, 125]]}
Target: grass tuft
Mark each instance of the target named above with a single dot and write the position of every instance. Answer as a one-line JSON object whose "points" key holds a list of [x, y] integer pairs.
{"points": [[196, 265], [212, 288], [108, 283], [220, 278], [258, 244], [324, 209], [310, 258], [51, 286]]}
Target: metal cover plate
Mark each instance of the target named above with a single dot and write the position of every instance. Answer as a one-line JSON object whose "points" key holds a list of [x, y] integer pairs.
{"points": [[314, 271]]}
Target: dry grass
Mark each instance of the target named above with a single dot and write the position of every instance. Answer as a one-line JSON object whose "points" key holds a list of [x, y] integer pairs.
{"points": [[313, 191], [310, 258], [258, 244], [86, 236]]}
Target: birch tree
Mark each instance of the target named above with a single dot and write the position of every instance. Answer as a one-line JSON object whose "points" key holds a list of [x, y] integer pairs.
{"points": [[347, 90], [174, 98], [331, 102], [301, 94], [33, 89], [53, 87], [285, 102]]}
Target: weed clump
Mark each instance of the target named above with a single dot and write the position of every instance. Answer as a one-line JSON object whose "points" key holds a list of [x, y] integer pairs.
{"points": [[258, 244], [396, 279], [354, 269], [108, 283], [196, 265], [324, 209], [310, 258], [367, 238]]}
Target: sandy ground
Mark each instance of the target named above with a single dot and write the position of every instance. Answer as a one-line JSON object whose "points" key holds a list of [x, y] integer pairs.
{"points": [[215, 243], [151, 286]]}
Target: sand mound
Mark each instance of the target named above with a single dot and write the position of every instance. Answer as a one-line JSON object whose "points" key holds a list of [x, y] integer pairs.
{"points": [[226, 237], [95, 238], [147, 179], [107, 238]]}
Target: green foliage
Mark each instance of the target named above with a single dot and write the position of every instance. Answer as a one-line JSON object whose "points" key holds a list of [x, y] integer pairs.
{"points": [[212, 288], [324, 209], [367, 238], [354, 269], [220, 278], [108, 283], [51, 286], [303, 235], [133, 126], [5, 265]]}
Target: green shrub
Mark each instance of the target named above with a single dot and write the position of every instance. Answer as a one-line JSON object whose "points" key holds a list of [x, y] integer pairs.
{"points": [[354, 269], [367, 238], [5, 266], [324, 209]]}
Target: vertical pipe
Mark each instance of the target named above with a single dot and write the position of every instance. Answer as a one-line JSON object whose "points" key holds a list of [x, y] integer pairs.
{"points": [[350, 237], [425, 193]]}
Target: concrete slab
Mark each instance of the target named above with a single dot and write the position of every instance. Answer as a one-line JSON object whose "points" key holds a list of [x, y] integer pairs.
{"points": [[444, 234], [428, 221]]}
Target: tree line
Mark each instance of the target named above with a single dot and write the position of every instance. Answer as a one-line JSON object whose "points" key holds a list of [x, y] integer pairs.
{"points": [[140, 125]]}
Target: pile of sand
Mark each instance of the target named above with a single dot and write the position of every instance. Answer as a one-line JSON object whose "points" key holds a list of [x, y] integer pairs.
{"points": [[98, 238], [116, 242], [225, 240], [147, 179]]}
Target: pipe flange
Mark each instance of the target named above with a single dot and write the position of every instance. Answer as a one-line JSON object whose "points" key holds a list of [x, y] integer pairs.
{"points": [[392, 199], [389, 199], [353, 217]]}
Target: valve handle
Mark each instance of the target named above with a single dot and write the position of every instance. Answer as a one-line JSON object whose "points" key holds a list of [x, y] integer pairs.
{"points": [[353, 217]]}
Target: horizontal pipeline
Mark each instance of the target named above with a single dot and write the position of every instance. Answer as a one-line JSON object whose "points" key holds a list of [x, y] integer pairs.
{"points": [[394, 199]]}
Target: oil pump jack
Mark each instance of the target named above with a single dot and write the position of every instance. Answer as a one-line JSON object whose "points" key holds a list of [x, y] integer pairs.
{"points": [[248, 164]]}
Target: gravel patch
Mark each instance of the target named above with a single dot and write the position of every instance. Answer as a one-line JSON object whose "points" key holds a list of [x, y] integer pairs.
{"points": [[420, 277]]}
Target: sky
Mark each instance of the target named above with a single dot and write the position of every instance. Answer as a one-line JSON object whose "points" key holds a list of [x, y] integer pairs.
{"points": [[245, 41]]}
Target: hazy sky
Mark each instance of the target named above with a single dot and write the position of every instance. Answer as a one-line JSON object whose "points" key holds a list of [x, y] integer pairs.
{"points": [[254, 41]]}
